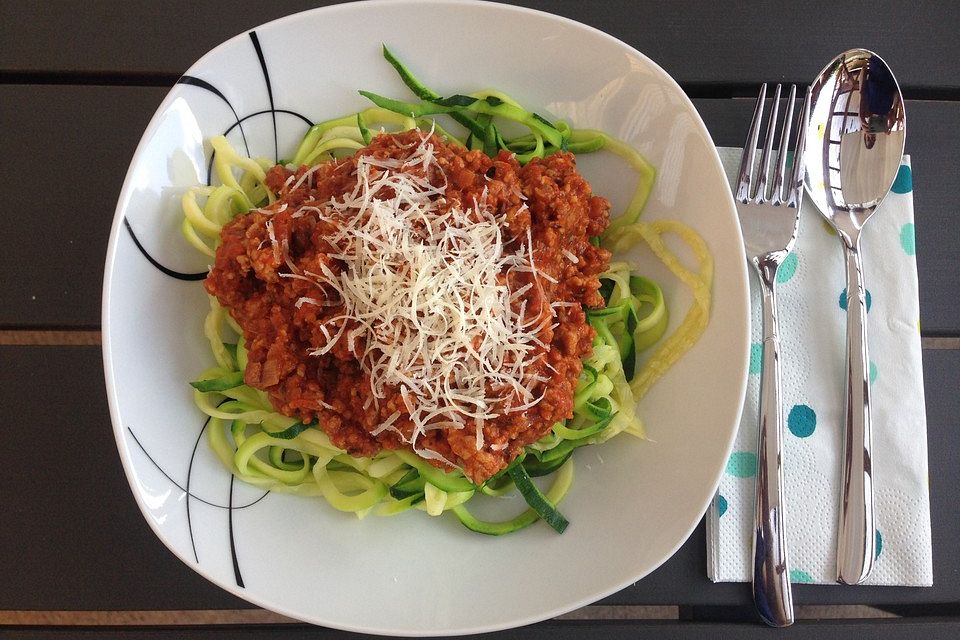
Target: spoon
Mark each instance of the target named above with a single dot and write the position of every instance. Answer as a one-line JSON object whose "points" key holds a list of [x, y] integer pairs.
{"points": [[858, 118]]}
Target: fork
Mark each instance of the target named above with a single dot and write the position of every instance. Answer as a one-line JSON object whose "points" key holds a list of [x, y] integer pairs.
{"points": [[769, 219]]}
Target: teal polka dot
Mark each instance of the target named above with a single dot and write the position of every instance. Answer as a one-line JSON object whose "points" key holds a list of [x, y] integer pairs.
{"points": [[802, 421], [800, 576], [742, 464], [879, 543], [721, 505], [908, 239], [904, 180], [873, 372], [788, 268], [756, 357], [843, 299]]}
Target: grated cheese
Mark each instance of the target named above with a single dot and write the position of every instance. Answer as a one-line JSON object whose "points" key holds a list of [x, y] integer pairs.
{"points": [[426, 307]]}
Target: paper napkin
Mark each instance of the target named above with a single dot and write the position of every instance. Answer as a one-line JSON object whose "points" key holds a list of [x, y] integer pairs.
{"points": [[812, 302]]}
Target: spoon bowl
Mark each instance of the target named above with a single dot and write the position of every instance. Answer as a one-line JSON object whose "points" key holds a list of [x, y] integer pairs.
{"points": [[855, 139], [857, 115]]}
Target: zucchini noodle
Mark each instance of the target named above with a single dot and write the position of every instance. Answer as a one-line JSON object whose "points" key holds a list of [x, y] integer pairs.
{"points": [[279, 453]]}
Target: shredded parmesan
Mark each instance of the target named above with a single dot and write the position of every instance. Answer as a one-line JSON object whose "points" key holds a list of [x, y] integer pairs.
{"points": [[273, 240], [427, 304]]}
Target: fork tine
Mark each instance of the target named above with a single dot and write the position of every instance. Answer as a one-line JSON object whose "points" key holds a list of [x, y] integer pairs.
{"points": [[749, 149], [780, 194], [768, 149], [796, 184]]}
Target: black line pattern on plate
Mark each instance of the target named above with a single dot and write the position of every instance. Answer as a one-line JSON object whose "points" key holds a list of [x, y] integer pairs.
{"points": [[305, 119], [170, 272], [238, 123], [193, 456], [266, 78], [229, 506], [203, 84], [182, 488], [233, 543]]}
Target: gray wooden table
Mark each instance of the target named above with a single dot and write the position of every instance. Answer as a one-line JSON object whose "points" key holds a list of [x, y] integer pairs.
{"points": [[78, 83]]}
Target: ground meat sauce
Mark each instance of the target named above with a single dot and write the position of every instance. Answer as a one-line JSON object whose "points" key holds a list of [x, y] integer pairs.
{"points": [[562, 215]]}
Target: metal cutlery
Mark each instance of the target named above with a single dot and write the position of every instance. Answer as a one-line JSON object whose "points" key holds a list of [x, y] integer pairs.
{"points": [[769, 217], [858, 110]]}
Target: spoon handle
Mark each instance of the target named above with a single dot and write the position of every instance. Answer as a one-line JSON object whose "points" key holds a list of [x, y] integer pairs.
{"points": [[771, 575], [856, 534]]}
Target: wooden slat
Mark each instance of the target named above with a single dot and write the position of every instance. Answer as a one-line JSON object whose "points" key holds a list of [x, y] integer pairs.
{"points": [[74, 523], [886, 629], [55, 245], [67, 151], [72, 536], [707, 43]]}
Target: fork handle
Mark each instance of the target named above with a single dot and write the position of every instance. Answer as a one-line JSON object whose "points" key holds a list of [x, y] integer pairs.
{"points": [[771, 575], [856, 534]]}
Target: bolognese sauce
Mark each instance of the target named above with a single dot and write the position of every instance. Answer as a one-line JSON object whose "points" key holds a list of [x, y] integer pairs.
{"points": [[325, 353]]}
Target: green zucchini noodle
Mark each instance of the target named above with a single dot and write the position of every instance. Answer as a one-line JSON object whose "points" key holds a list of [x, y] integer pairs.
{"points": [[279, 453]]}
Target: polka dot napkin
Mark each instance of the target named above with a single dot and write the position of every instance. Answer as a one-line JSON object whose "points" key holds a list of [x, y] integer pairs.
{"points": [[813, 300]]}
